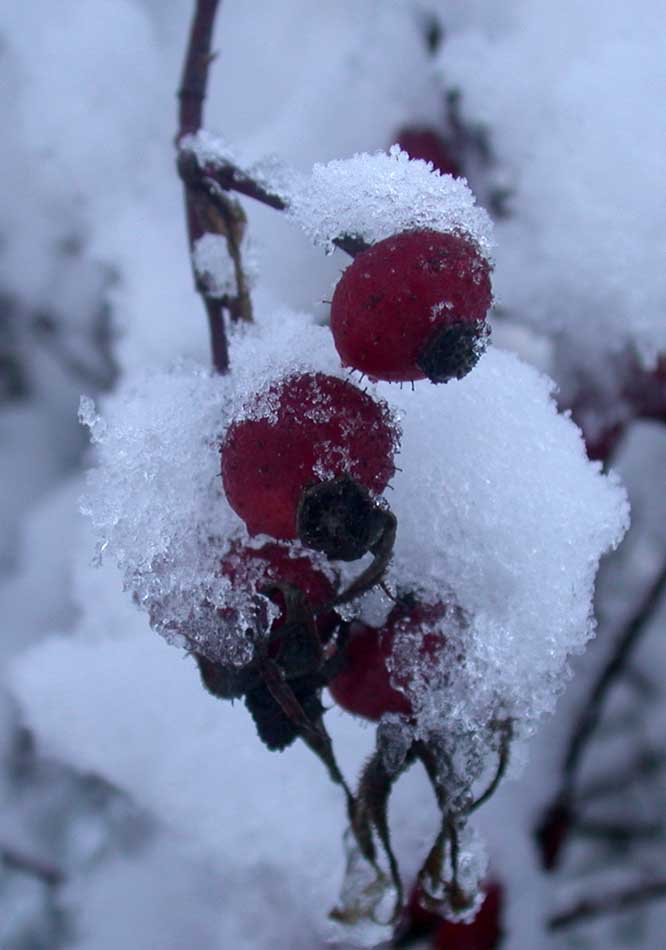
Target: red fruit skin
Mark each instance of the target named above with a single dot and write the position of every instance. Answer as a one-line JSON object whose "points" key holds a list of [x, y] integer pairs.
{"points": [[363, 687], [257, 568], [483, 933], [424, 143], [322, 423], [395, 295]]}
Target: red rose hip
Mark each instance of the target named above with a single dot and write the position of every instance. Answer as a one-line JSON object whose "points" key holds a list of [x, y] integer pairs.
{"points": [[413, 306], [424, 143], [365, 686], [306, 461]]}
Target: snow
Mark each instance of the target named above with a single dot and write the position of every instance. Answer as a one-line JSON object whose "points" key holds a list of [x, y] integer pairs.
{"points": [[500, 511], [375, 196], [213, 265]]}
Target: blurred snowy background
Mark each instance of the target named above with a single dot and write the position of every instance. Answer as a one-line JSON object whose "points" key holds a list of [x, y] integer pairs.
{"points": [[138, 811]]}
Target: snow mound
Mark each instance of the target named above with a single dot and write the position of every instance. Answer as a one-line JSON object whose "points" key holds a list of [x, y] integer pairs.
{"points": [[500, 513]]}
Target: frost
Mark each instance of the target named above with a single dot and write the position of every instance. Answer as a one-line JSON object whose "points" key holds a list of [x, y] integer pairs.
{"points": [[510, 550], [212, 151], [395, 735], [156, 503], [502, 517], [375, 196], [215, 268], [155, 497]]}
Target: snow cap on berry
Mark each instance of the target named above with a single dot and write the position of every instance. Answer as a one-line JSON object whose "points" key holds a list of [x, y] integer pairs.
{"points": [[375, 196]]}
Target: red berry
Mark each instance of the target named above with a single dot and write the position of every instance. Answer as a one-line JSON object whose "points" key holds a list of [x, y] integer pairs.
{"points": [[320, 429], [413, 306], [270, 572], [272, 567], [422, 142], [483, 933], [364, 685]]}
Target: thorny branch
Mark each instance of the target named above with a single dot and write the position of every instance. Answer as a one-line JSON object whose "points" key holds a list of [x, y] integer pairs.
{"points": [[223, 217]]}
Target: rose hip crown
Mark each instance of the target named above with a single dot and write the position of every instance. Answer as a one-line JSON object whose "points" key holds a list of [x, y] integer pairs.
{"points": [[308, 464], [413, 306]]}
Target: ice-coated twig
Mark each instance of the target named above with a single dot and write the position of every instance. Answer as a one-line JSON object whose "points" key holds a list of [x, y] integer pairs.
{"points": [[208, 212], [371, 812], [614, 903], [226, 176], [560, 811], [506, 729]]}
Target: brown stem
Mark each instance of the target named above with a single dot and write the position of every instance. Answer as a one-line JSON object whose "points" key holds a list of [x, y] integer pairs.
{"points": [[194, 79], [608, 904], [371, 813], [228, 177], [204, 216], [314, 734], [502, 765]]}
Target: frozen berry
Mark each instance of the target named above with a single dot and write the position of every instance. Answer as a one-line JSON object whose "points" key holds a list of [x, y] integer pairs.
{"points": [[426, 144], [413, 306], [310, 436], [275, 572], [293, 638], [366, 686]]}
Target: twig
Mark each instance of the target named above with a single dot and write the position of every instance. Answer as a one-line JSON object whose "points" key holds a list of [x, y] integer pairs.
{"points": [[614, 666], [223, 217], [228, 177], [558, 817], [502, 765], [47, 873], [610, 904]]}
